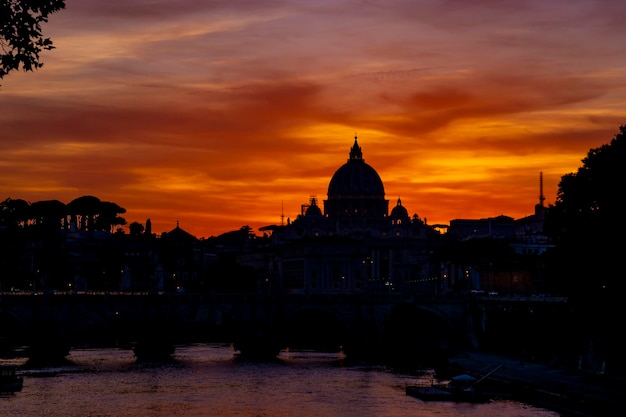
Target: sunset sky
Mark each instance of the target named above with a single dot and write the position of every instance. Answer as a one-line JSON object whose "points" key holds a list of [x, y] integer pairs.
{"points": [[220, 114]]}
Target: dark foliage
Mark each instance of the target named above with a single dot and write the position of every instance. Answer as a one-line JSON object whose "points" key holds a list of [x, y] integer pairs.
{"points": [[87, 213], [21, 37], [586, 224]]}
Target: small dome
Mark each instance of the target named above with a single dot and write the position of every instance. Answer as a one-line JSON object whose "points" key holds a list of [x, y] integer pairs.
{"points": [[399, 213], [313, 209]]}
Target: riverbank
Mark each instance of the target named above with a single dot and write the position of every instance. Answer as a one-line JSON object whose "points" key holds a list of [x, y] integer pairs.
{"points": [[567, 392]]}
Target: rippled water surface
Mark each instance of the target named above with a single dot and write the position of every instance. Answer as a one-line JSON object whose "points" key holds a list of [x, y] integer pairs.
{"points": [[209, 380]]}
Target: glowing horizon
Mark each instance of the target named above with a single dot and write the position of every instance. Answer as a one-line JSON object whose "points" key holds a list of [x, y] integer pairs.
{"points": [[229, 114]]}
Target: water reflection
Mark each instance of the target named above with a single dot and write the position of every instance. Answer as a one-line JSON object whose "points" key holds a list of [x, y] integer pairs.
{"points": [[209, 380]]}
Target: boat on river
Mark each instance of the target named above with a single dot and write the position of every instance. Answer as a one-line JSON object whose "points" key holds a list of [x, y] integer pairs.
{"points": [[461, 388], [9, 380]]}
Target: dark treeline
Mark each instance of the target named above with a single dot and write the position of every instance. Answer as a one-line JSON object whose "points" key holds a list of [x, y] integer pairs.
{"points": [[82, 245], [86, 213]]}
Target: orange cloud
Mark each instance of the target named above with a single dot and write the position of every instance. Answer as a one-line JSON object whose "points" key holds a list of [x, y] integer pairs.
{"points": [[228, 114]]}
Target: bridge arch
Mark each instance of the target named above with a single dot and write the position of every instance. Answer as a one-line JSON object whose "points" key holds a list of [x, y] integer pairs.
{"points": [[13, 332], [95, 325], [314, 327], [418, 335]]}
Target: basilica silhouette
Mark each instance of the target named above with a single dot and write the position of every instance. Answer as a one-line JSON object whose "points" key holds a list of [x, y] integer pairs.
{"points": [[354, 243]]}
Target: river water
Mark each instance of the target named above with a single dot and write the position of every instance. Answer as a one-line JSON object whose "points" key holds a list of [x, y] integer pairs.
{"points": [[210, 380]]}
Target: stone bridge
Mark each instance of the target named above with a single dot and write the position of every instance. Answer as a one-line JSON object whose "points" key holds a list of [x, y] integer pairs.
{"points": [[51, 324]]}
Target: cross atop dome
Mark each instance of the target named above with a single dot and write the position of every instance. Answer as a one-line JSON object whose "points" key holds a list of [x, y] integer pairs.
{"points": [[355, 151]]}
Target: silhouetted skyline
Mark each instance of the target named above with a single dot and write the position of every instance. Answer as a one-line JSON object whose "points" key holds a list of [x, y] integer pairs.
{"points": [[223, 115]]}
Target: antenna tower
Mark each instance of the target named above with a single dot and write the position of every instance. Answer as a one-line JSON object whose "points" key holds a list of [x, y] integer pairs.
{"points": [[541, 197]]}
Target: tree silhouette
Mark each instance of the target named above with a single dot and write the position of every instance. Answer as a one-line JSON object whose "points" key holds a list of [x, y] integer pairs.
{"points": [[21, 38], [14, 212], [108, 216], [586, 223], [587, 226], [135, 229], [83, 210], [48, 213], [88, 213]]}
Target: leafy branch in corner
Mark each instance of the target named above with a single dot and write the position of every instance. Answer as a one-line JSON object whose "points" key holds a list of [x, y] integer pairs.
{"points": [[21, 37]]}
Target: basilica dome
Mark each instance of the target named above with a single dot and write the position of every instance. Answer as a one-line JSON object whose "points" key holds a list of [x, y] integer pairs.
{"points": [[356, 190]]}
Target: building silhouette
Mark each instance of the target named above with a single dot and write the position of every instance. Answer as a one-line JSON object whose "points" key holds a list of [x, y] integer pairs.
{"points": [[354, 243], [350, 241]]}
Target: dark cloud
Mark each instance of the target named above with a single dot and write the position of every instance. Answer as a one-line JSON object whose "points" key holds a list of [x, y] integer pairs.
{"points": [[221, 114]]}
